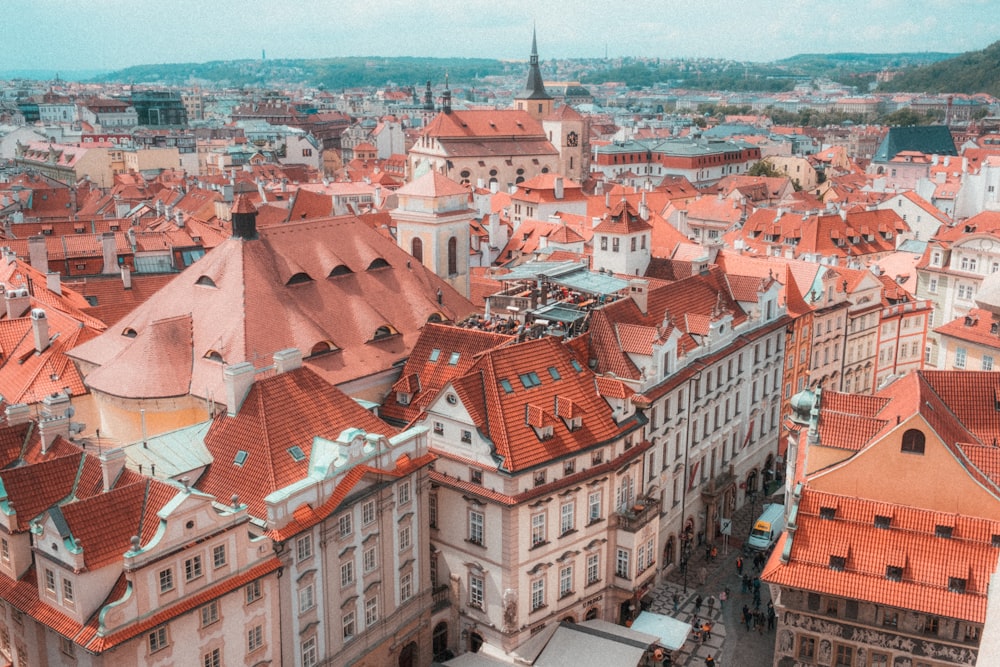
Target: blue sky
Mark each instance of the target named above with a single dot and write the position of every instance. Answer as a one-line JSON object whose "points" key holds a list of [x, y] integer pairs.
{"points": [[112, 34]]}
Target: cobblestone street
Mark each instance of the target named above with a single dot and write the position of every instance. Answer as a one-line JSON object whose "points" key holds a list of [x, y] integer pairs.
{"points": [[731, 644]]}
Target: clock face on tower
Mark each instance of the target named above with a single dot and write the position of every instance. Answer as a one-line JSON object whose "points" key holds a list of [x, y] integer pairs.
{"points": [[572, 139]]}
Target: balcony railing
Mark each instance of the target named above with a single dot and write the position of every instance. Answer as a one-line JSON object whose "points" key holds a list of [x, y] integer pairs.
{"points": [[638, 515], [442, 597]]}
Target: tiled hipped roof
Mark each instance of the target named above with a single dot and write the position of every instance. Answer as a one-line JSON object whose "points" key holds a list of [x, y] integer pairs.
{"points": [[930, 563]]}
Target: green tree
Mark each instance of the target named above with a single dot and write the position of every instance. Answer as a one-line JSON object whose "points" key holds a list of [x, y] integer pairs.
{"points": [[763, 168]]}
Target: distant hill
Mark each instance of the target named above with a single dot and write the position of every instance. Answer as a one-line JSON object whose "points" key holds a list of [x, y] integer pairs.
{"points": [[821, 64], [969, 73], [330, 73]]}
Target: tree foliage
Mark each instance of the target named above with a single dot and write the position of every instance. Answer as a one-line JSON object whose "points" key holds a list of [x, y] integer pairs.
{"points": [[968, 73]]}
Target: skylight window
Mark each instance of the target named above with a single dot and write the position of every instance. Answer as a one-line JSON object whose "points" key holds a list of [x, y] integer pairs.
{"points": [[435, 353], [297, 453], [882, 521], [956, 584], [554, 372], [943, 531], [530, 380], [827, 512], [893, 573], [241, 458], [576, 365], [505, 383], [838, 563], [453, 359]]}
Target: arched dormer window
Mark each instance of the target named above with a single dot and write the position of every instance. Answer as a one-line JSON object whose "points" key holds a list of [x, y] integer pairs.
{"points": [[298, 279], [339, 270], [913, 441], [213, 355], [205, 281], [378, 263], [383, 332], [417, 250], [436, 317], [129, 332], [322, 347]]}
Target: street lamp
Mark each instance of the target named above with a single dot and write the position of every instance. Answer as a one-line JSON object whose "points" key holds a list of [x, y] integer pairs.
{"points": [[685, 557]]}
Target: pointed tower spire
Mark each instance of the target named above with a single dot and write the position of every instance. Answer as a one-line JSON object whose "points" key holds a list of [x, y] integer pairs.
{"points": [[533, 98], [446, 96]]}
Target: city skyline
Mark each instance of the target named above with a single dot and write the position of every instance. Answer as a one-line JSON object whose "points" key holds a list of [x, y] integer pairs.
{"points": [[112, 34]]}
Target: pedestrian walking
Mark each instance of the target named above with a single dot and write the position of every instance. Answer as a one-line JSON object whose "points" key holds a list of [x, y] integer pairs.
{"points": [[697, 602], [723, 596], [746, 583], [706, 631], [710, 661], [771, 616], [711, 603], [760, 622], [746, 617], [702, 575], [739, 565], [677, 601]]}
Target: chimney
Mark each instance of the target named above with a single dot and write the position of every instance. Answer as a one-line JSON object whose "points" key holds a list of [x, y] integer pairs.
{"points": [[126, 277], [643, 207], [40, 329], [18, 413], [638, 290], [112, 463], [54, 420], [179, 217], [18, 302], [287, 360], [558, 187], [377, 197], [109, 248], [38, 255], [238, 379], [244, 219], [52, 282]]}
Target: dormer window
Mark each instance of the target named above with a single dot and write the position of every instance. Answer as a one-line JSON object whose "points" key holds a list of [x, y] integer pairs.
{"points": [[539, 478], [943, 531], [383, 332], [299, 278], [129, 332], [838, 563], [377, 263], [893, 573], [213, 355], [829, 513], [882, 521], [956, 585], [322, 347], [913, 441], [339, 270]]}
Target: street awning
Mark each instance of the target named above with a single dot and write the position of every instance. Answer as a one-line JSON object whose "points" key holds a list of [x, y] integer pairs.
{"points": [[670, 632]]}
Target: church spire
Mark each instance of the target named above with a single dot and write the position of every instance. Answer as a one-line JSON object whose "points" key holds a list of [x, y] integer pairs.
{"points": [[534, 89]]}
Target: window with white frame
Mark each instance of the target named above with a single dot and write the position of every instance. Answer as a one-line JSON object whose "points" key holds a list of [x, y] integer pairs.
{"points": [[253, 591], [157, 639], [567, 517], [565, 581], [4, 550], [166, 580], [369, 559], [477, 590], [367, 512], [310, 656], [219, 555], [255, 638], [403, 493], [371, 611], [538, 529], [593, 568], [345, 525], [347, 573], [210, 613], [960, 357], [987, 362], [192, 568], [213, 658], [348, 624], [406, 587], [50, 583], [307, 598], [537, 594], [594, 506], [622, 563], [476, 522], [67, 586], [304, 547], [404, 538]]}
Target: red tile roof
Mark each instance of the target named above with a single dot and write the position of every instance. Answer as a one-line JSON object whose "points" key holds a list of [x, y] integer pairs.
{"points": [[927, 561]]}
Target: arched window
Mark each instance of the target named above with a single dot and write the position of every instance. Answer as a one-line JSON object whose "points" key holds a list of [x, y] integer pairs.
{"points": [[417, 250], [913, 441], [299, 278], [339, 270], [452, 256], [205, 281], [439, 641], [591, 614], [129, 332], [322, 347], [378, 263]]}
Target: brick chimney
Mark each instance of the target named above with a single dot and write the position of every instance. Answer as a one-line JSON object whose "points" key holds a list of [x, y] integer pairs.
{"points": [[238, 379], [52, 282], [244, 219], [639, 291], [109, 249], [18, 413], [38, 255], [40, 329], [558, 191], [287, 360], [126, 277]]}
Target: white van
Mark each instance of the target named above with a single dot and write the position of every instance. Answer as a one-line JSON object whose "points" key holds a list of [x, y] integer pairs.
{"points": [[767, 528]]}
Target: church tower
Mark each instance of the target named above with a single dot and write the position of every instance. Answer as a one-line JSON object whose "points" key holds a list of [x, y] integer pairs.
{"points": [[533, 98], [433, 223]]}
